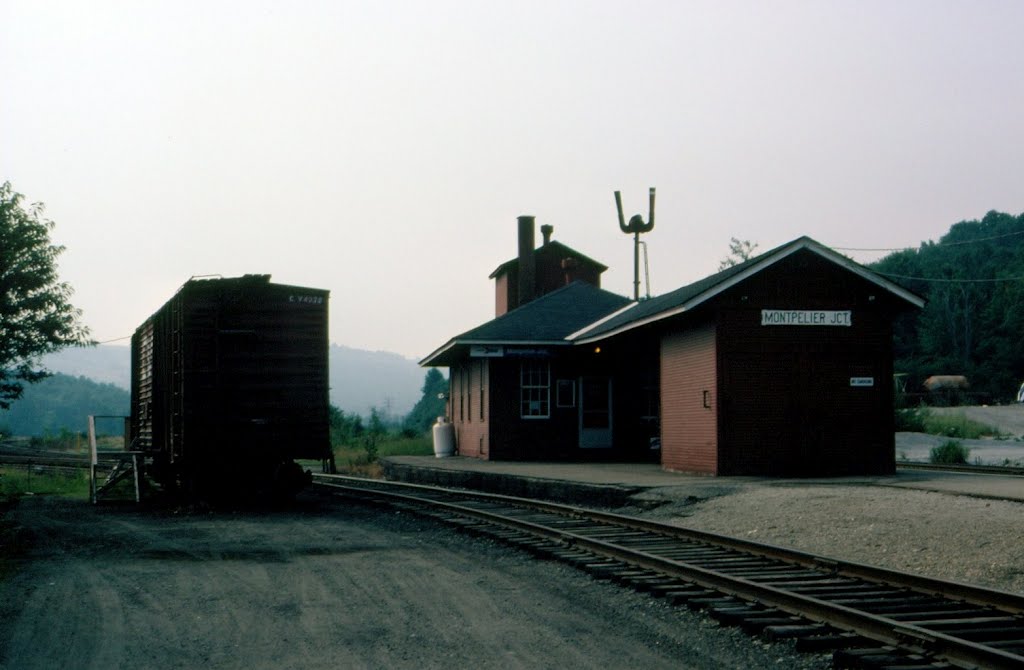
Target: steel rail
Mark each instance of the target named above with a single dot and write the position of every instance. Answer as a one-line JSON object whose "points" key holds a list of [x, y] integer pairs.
{"points": [[44, 461], [887, 631], [1008, 470], [1012, 603]]}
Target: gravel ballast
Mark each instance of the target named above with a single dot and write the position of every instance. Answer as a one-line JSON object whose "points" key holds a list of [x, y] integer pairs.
{"points": [[940, 535]]}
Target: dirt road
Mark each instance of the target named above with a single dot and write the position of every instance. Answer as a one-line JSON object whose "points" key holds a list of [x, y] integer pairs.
{"points": [[323, 585]]}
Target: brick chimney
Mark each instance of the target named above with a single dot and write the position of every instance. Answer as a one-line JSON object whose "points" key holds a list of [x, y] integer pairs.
{"points": [[527, 268]]}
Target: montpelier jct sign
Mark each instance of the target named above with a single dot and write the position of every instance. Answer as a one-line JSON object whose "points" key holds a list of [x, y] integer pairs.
{"points": [[805, 317]]}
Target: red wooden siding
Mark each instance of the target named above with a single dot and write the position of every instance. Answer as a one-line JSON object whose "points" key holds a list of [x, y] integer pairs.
{"points": [[788, 406], [689, 430]]}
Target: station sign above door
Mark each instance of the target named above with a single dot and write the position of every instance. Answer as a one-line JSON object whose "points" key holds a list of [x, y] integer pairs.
{"points": [[806, 317], [499, 351]]}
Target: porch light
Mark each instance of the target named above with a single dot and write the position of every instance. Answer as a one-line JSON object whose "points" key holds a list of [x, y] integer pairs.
{"points": [[597, 350]]}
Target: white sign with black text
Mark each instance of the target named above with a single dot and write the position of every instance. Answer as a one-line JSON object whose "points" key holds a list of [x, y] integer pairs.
{"points": [[806, 317]]}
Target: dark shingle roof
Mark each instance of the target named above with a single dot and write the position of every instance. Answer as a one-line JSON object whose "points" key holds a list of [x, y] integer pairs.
{"points": [[548, 320], [581, 313], [691, 295]]}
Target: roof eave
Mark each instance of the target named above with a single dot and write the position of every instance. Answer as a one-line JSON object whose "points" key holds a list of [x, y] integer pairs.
{"points": [[452, 344]]}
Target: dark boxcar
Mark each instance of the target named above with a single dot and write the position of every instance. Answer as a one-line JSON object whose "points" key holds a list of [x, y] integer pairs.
{"points": [[229, 384]]}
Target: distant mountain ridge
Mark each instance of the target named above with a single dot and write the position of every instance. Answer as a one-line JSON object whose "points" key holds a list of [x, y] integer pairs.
{"points": [[360, 380]]}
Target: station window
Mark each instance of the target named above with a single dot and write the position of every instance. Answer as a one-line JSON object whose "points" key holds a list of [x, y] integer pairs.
{"points": [[535, 389]]}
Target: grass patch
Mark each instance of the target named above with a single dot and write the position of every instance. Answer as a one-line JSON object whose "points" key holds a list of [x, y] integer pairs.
{"points": [[363, 456], [921, 420], [949, 452], [18, 482], [959, 426]]}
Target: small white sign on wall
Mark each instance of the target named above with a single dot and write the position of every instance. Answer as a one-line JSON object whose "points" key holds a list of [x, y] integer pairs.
{"points": [[862, 381]]}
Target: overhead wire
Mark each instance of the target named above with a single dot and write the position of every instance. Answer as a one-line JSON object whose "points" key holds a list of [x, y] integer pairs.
{"points": [[116, 339], [937, 244], [943, 244]]}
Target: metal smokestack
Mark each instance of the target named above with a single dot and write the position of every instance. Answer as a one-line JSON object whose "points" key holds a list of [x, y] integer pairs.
{"points": [[527, 270], [546, 231]]}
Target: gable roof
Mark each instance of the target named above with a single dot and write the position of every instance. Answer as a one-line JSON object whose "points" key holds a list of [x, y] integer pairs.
{"points": [[691, 296], [547, 320], [555, 248]]}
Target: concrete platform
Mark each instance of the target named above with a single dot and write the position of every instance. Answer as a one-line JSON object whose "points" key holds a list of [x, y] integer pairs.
{"points": [[620, 484]]}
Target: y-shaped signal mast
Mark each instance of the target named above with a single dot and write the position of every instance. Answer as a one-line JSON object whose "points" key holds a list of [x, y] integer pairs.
{"points": [[636, 226]]}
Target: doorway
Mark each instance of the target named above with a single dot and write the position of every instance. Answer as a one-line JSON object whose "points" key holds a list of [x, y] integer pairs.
{"points": [[595, 412]]}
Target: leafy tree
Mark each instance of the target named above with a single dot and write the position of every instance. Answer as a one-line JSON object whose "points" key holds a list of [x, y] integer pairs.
{"points": [[973, 280], [345, 429], [36, 316], [430, 406], [739, 252]]}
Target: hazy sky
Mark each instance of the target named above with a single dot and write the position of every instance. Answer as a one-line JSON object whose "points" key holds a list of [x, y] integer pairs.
{"points": [[382, 150]]}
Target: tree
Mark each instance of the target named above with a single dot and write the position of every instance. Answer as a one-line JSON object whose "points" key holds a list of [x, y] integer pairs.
{"points": [[973, 280], [739, 252], [36, 316], [430, 406], [345, 429]]}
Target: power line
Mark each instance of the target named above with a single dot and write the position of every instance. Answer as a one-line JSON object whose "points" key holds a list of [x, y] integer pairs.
{"points": [[950, 281], [937, 244], [116, 339]]}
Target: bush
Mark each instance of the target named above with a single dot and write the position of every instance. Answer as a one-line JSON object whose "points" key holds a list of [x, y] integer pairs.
{"points": [[957, 425], [949, 452], [912, 420]]}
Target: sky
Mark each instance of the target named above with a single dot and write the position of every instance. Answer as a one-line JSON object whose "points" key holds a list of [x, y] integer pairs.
{"points": [[383, 150]]}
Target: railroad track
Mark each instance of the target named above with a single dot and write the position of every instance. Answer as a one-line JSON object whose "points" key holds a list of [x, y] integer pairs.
{"points": [[973, 469], [869, 617], [52, 462]]}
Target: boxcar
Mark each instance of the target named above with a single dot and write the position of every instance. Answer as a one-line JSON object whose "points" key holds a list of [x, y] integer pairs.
{"points": [[230, 385]]}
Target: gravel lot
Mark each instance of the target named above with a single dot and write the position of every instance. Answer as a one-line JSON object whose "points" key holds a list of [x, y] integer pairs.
{"points": [[1008, 449], [323, 585], [936, 534]]}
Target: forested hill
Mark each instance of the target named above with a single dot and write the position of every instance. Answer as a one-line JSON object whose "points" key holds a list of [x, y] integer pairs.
{"points": [[360, 381], [62, 402], [973, 324]]}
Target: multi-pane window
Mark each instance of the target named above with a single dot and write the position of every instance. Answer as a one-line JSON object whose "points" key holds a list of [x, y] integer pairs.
{"points": [[535, 389]]}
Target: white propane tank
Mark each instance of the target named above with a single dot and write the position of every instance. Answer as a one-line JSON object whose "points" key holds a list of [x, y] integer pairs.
{"points": [[444, 438]]}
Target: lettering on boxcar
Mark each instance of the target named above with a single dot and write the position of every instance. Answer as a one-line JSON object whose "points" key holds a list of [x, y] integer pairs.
{"points": [[307, 299]]}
